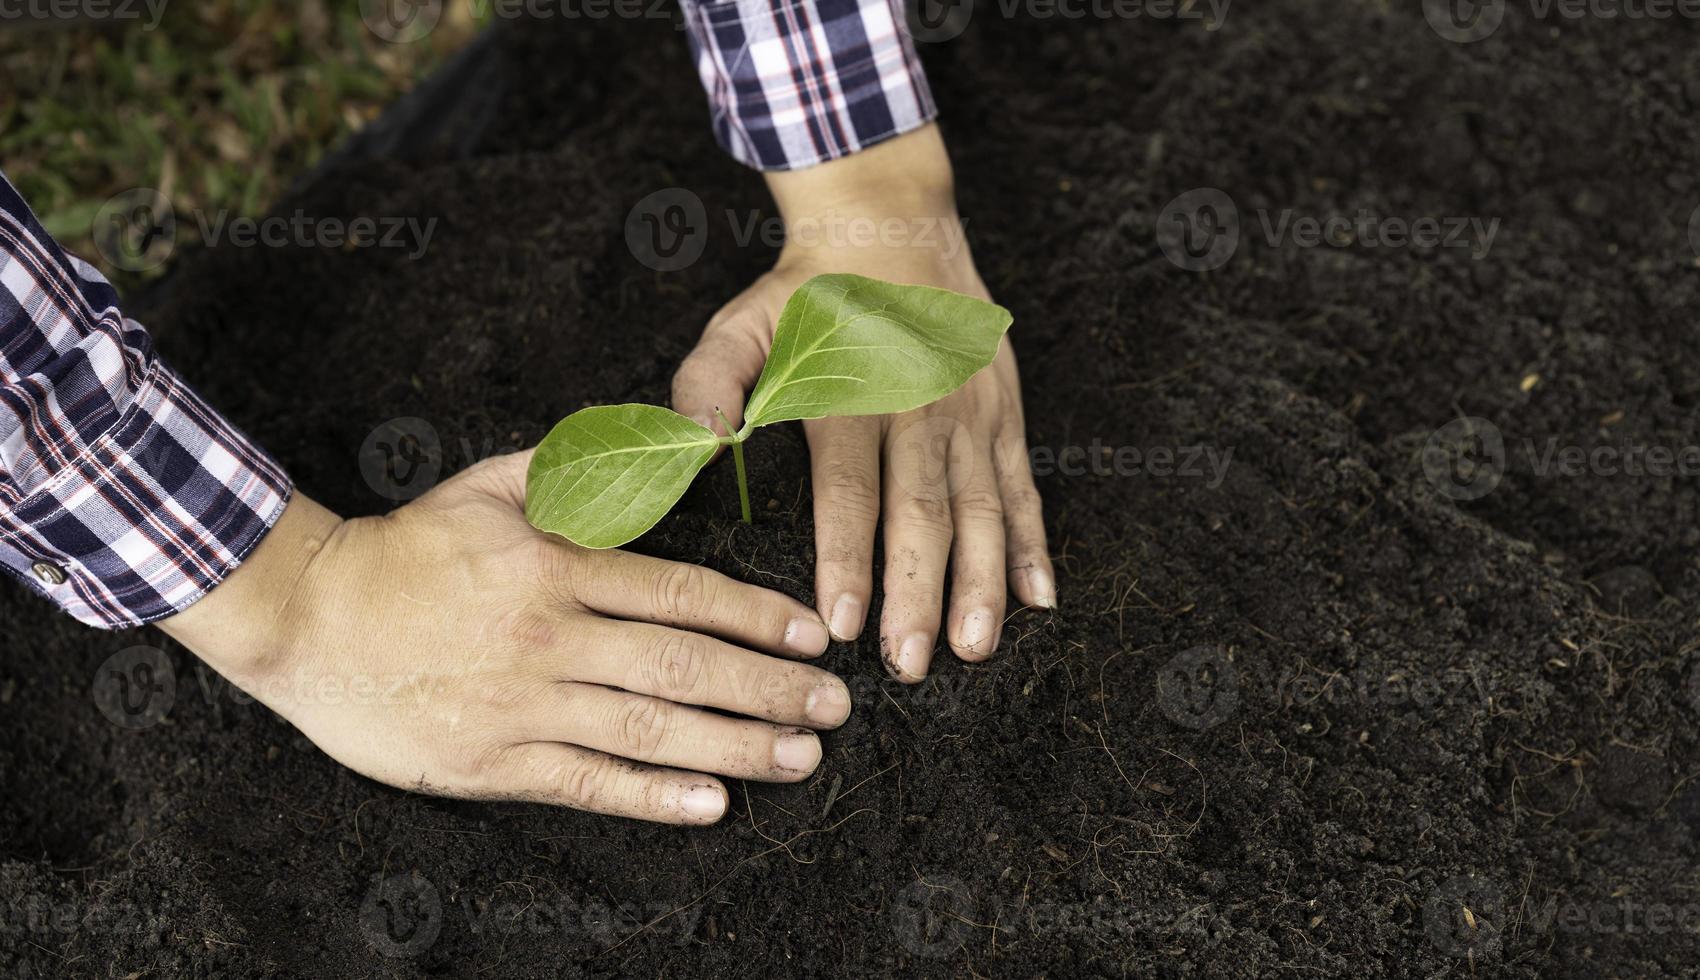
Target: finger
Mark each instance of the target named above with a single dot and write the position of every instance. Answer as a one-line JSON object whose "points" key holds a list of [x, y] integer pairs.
{"points": [[689, 668], [619, 583], [723, 367], [567, 775], [917, 545], [844, 463], [646, 729], [977, 591], [1031, 577]]}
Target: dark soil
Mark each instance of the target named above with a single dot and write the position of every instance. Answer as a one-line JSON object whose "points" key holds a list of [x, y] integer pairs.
{"points": [[1295, 723]]}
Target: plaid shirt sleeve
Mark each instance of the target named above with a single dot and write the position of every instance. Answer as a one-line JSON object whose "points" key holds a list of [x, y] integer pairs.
{"points": [[793, 83], [123, 496]]}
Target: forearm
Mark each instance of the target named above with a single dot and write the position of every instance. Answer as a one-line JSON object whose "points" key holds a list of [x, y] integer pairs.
{"points": [[123, 496], [908, 175], [831, 79], [247, 628]]}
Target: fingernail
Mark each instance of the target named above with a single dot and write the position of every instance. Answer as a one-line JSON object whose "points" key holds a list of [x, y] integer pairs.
{"points": [[828, 704], [806, 636], [914, 654], [797, 751], [847, 617], [706, 421], [704, 803], [977, 636], [1044, 590]]}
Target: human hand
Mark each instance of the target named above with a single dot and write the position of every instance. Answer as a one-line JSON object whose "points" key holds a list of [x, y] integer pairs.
{"points": [[952, 477], [451, 648]]}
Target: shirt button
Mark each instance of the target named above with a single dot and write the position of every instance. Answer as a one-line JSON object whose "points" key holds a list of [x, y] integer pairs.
{"points": [[49, 574]]}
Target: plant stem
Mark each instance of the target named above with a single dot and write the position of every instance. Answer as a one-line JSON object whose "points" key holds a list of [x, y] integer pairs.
{"points": [[738, 461]]}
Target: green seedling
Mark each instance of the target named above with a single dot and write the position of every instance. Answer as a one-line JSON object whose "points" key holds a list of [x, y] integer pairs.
{"points": [[844, 345]]}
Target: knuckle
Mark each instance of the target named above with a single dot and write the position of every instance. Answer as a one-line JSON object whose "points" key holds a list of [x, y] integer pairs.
{"points": [[679, 590], [502, 698], [527, 628], [1022, 501], [638, 727], [979, 502], [850, 486], [678, 665], [924, 512], [474, 761], [588, 783]]}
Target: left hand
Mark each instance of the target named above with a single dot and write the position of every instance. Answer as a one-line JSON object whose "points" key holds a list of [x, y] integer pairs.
{"points": [[952, 477]]}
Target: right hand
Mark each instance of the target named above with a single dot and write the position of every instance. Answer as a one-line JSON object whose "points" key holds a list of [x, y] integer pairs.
{"points": [[450, 648]]}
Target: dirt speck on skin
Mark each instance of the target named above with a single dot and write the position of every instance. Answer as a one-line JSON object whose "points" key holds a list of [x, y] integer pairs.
{"points": [[1331, 716]]}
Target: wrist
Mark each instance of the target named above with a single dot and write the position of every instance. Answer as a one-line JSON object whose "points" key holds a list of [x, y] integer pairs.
{"points": [[248, 626], [905, 178]]}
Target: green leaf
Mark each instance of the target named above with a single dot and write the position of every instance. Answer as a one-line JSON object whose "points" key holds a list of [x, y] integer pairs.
{"points": [[606, 474], [849, 345]]}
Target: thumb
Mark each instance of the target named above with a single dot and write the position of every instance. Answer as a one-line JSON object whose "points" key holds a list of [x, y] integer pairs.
{"points": [[719, 373]]}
